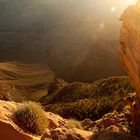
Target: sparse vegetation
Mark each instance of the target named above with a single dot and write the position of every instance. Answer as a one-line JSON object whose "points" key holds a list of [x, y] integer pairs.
{"points": [[83, 100], [85, 108], [31, 117], [5, 97], [72, 123]]}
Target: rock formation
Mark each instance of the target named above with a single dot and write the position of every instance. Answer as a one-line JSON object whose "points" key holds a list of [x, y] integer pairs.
{"points": [[56, 130], [109, 135], [67, 134], [10, 130], [130, 54], [116, 122]]}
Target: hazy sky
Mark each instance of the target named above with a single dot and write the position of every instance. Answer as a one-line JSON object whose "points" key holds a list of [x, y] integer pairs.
{"points": [[64, 27], [59, 20]]}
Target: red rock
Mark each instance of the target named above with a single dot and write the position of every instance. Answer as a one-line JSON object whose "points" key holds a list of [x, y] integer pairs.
{"points": [[111, 121], [8, 129], [109, 135], [86, 122], [130, 54], [67, 134], [113, 128]]}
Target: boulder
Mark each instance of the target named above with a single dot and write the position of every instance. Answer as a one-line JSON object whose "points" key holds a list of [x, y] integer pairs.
{"points": [[55, 121], [109, 135], [67, 134], [8, 129], [112, 121], [86, 122]]}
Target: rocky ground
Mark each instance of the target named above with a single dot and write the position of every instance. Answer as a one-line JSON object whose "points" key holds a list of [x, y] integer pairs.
{"points": [[109, 125]]}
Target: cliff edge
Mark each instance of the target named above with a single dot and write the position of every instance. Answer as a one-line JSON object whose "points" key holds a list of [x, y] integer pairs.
{"points": [[130, 55]]}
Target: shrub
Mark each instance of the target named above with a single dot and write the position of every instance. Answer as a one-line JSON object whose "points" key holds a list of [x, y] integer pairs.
{"points": [[89, 100], [86, 108], [5, 96], [72, 123], [31, 116]]}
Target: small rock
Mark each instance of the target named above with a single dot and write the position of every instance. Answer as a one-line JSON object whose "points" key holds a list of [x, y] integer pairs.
{"points": [[66, 134], [86, 122]]}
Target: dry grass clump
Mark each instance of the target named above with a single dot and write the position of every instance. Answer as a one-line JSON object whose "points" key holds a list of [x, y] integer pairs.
{"points": [[72, 123], [31, 117]]}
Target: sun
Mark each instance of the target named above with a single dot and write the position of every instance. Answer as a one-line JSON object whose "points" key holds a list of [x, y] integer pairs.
{"points": [[130, 1]]}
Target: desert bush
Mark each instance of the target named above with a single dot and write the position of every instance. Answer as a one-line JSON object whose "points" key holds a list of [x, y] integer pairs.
{"points": [[87, 108], [113, 86], [5, 98], [84, 100], [72, 123], [31, 117]]}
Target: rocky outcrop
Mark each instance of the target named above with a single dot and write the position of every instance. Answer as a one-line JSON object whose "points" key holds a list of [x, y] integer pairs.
{"points": [[67, 134], [55, 121], [10, 130], [130, 50], [109, 135], [130, 54], [56, 130], [116, 122]]}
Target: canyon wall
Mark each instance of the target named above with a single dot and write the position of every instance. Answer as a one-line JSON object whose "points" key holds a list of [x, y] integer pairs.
{"points": [[130, 55]]}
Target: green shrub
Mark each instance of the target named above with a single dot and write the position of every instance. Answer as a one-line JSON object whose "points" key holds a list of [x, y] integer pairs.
{"points": [[89, 100], [79, 110], [72, 123], [31, 117]]}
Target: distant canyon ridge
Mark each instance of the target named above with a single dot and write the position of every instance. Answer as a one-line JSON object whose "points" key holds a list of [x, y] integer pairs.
{"points": [[77, 40]]}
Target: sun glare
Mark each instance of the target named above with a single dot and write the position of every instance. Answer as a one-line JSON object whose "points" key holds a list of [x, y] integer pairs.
{"points": [[130, 1], [125, 3], [113, 9], [102, 25]]}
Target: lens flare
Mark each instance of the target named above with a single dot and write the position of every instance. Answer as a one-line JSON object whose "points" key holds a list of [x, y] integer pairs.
{"points": [[130, 1], [113, 9]]}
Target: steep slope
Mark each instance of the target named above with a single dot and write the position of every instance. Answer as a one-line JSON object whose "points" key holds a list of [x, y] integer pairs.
{"points": [[88, 100], [130, 54], [23, 81], [130, 43]]}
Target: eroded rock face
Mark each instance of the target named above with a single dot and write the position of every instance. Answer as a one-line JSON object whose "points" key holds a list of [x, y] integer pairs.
{"points": [[9, 130], [116, 122], [55, 121], [130, 54], [109, 135], [130, 43], [67, 134]]}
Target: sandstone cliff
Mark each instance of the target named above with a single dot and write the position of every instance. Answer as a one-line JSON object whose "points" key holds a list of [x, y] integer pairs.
{"points": [[130, 54], [130, 41]]}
